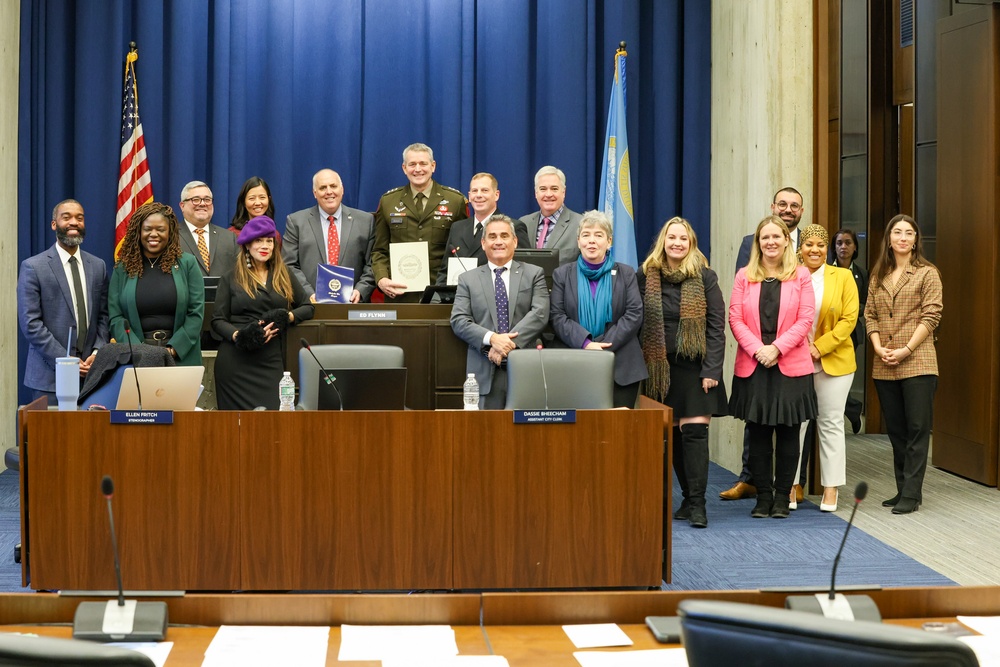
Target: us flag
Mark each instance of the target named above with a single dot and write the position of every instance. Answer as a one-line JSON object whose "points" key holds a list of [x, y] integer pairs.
{"points": [[135, 186]]}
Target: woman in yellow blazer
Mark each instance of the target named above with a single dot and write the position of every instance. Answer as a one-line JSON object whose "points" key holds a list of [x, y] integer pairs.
{"points": [[834, 364]]}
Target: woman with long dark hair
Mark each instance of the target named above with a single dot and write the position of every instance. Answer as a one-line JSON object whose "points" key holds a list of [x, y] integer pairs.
{"points": [[253, 200], [844, 253], [156, 287], [904, 308]]}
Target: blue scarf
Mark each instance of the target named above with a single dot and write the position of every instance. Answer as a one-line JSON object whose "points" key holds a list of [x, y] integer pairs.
{"points": [[594, 312]]}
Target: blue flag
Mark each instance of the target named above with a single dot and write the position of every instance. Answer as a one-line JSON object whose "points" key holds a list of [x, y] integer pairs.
{"points": [[616, 182]]}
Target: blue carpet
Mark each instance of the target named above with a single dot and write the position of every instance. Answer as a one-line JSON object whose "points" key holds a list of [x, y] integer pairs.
{"points": [[736, 552]]}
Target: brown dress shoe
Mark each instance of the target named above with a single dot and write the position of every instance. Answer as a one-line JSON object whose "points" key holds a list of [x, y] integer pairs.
{"points": [[739, 490], [799, 495]]}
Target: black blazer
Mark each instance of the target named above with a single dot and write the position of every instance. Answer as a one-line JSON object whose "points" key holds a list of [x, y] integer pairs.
{"points": [[622, 332], [462, 242]]}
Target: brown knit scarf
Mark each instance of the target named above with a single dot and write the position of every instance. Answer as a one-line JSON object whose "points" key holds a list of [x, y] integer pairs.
{"points": [[690, 329]]}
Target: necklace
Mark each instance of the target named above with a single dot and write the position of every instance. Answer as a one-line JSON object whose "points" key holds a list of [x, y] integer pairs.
{"points": [[770, 279], [152, 262]]}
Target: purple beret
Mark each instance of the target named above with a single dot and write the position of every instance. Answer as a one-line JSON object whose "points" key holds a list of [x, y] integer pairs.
{"points": [[257, 228]]}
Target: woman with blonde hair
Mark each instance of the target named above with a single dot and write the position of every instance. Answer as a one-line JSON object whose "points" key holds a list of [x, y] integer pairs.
{"points": [[904, 308], [156, 287], [832, 351], [683, 342], [770, 313], [254, 305]]}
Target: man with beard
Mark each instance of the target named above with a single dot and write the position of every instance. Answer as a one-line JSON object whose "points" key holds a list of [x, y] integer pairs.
{"points": [[787, 205], [61, 291]]}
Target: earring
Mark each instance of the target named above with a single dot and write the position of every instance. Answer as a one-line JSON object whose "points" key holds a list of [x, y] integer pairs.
{"points": [[249, 264]]}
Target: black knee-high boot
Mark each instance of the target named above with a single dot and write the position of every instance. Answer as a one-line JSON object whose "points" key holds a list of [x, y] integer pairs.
{"points": [[683, 513], [695, 446]]}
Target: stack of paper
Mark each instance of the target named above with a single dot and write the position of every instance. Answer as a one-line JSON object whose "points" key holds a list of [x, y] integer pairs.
{"points": [[251, 645]]}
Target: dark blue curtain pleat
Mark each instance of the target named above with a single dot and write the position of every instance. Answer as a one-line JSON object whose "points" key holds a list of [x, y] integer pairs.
{"points": [[234, 88]]}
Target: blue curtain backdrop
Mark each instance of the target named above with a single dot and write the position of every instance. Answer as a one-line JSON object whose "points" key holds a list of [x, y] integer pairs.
{"points": [[231, 89]]}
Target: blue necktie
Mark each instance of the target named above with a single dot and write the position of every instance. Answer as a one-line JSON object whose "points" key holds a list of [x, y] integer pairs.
{"points": [[503, 306]]}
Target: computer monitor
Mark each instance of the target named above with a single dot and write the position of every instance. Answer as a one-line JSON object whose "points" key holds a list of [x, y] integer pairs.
{"points": [[211, 286], [363, 389], [546, 258]]}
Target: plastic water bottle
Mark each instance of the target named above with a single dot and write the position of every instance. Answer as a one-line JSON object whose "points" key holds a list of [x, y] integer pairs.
{"points": [[286, 393], [470, 393]]}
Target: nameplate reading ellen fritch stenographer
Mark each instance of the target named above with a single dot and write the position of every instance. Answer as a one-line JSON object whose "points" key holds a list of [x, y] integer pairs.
{"points": [[142, 416], [544, 416]]}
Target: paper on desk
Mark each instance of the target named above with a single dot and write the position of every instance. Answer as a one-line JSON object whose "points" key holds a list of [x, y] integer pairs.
{"points": [[986, 648], [155, 651], [658, 657], [457, 661], [251, 645], [984, 625], [594, 635], [381, 642]]}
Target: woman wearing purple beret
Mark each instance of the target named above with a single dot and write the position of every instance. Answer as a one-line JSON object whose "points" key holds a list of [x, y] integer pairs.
{"points": [[254, 305]]}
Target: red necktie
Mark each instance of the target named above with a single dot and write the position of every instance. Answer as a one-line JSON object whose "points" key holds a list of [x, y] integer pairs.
{"points": [[332, 242]]}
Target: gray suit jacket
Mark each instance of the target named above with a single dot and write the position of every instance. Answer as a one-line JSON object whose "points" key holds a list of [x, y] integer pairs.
{"points": [[562, 237], [45, 312], [303, 247], [222, 249], [474, 313], [622, 332]]}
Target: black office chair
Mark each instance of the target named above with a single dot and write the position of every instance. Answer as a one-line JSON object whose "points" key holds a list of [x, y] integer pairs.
{"points": [[29, 651], [341, 356], [728, 633]]}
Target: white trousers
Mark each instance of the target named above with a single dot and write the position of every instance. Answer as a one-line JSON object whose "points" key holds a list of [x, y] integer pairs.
{"points": [[831, 397]]}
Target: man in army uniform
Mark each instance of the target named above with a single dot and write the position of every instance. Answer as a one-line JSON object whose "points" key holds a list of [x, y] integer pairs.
{"points": [[422, 210]]}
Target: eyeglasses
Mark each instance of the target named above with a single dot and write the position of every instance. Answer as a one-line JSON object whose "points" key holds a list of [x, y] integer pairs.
{"points": [[793, 207], [905, 233], [199, 200]]}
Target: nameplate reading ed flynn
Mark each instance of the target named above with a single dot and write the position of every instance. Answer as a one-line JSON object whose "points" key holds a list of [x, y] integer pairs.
{"points": [[142, 416], [544, 416], [369, 315]]}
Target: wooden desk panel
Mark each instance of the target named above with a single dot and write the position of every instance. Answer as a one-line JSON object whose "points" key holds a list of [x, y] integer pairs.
{"points": [[558, 505], [346, 501], [176, 501]]}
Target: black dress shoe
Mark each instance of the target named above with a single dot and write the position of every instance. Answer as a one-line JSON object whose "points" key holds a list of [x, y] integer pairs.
{"points": [[683, 512], [779, 510], [906, 506], [762, 509], [855, 423], [891, 502], [698, 518]]}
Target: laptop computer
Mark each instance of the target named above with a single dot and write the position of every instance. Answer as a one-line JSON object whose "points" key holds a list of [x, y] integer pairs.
{"points": [[163, 388], [363, 389]]}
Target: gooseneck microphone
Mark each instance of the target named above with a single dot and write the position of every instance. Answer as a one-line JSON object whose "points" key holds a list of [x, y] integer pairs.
{"points": [[329, 379], [860, 491], [131, 360], [121, 619], [108, 490], [545, 384], [833, 604]]}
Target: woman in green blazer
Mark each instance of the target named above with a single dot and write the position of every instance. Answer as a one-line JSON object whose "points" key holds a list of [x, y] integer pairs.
{"points": [[156, 290]]}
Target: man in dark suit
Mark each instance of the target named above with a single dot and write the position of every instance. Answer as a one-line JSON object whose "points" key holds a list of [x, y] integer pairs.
{"points": [[553, 225], [330, 233], [213, 246], [787, 205], [465, 238], [421, 210], [58, 290], [499, 306]]}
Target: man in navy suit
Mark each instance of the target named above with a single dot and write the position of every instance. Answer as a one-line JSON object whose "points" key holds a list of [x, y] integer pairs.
{"points": [[59, 290], [499, 306], [465, 237], [308, 238], [553, 225]]}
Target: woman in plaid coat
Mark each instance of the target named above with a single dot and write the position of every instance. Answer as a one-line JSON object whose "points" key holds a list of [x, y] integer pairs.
{"points": [[903, 310]]}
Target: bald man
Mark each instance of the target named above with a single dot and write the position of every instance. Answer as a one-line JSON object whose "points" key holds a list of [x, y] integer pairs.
{"points": [[308, 240]]}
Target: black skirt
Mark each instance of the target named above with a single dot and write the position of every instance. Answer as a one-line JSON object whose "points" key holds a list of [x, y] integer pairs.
{"points": [[686, 396], [768, 397]]}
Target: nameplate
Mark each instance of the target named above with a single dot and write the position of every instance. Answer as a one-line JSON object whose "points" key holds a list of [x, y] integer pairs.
{"points": [[383, 315], [142, 416], [544, 416]]}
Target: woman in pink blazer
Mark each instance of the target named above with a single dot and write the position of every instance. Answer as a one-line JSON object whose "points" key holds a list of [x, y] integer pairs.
{"points": [[770, 313]]}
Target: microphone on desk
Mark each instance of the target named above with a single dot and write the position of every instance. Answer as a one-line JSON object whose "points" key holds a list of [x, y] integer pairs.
{"points": [[545, 384], [121, 619], [329, 379], [131, 360], [833, 604]]}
